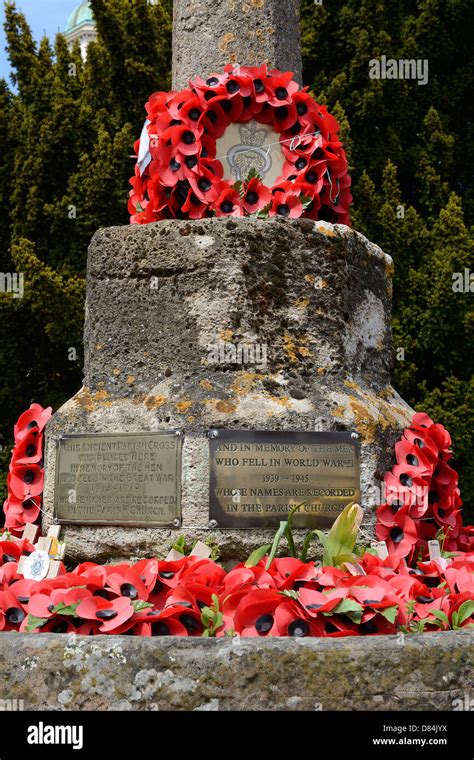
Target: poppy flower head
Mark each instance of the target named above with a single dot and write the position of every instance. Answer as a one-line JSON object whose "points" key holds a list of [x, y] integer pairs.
{"points": [[256, 196], [286, 205], [34, 419], [26, 481], [109, 614], [400, 537], [228, 203]]}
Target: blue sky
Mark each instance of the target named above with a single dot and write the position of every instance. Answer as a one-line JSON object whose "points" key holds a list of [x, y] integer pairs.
{"points": [[44, 17]]}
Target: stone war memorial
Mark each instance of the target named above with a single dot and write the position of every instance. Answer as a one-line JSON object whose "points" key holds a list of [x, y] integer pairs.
{"points": [[237, 463], [239, 324]]}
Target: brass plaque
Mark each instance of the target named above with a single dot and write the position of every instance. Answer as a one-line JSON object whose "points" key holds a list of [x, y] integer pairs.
{"points": [[128, 479], [256, 478]]}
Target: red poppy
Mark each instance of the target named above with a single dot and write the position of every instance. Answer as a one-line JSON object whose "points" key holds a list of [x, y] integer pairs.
{"points": [[12, 612], [280, 88], [459, 580], [306, 107], [29, 450], [255, 614], [35, 418], [264, 612], [40, 605], [228, 203], [439, 436], [465, 541], [286, 205], [210, 87], [445, 476], [330, 576], [110, 614], [157, 103], [412, 455], [386, 512], [92, 575], [203, 571], [291, 619], [401, 537], [126, 582], [217, 117], [11, 551], [241, 576], [27, 510], [194, 207], [43, 604], [147, 570], [316, 603], [338, 626], [257, 75], [284, 117], [172, 166], [403, 484], [189, 618], [205, 186], [291, 574], [25, 481], [256, 196], [252, 109], [161, 623], [185, 138]]}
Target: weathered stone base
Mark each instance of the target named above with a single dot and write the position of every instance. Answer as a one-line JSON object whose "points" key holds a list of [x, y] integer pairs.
{"points": [[160, 299], [103, 544], [67, 672]]}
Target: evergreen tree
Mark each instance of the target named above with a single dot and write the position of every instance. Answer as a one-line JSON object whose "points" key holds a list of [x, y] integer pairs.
{"points": [[411, 165], [68, 134]]}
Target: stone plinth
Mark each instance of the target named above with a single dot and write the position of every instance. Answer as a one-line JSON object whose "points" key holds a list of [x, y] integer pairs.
{"points": [[161, 297], [432, 671], [245, 32]]}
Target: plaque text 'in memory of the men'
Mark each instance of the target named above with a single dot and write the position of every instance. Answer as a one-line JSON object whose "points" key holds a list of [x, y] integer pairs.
{"points": [[256, 478], [119, 479]]}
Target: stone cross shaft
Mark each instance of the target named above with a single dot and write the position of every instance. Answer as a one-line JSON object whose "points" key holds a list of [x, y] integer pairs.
{"points": [[207, 34]]}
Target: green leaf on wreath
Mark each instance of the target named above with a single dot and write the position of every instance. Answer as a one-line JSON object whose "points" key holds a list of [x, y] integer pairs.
{"points": [[441, 618], [351, 608], [139, 605], [34, 622], [66, 609], [465, 611], [253, 174], [239, 187], [389, 613]]}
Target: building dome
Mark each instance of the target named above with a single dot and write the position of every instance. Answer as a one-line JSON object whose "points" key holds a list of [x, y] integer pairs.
{"points": [[81, 27], [80, 15]]}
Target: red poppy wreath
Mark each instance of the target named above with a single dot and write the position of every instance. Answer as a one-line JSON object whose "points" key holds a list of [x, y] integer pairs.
{"points": [[245, 142]]}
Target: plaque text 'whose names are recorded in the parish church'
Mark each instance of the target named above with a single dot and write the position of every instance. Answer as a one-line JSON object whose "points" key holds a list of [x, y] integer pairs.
{"points": [[256, 478]]}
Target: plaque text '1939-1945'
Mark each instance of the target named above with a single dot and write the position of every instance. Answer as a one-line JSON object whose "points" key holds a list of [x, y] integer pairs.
{"points": [[256, 478]]}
